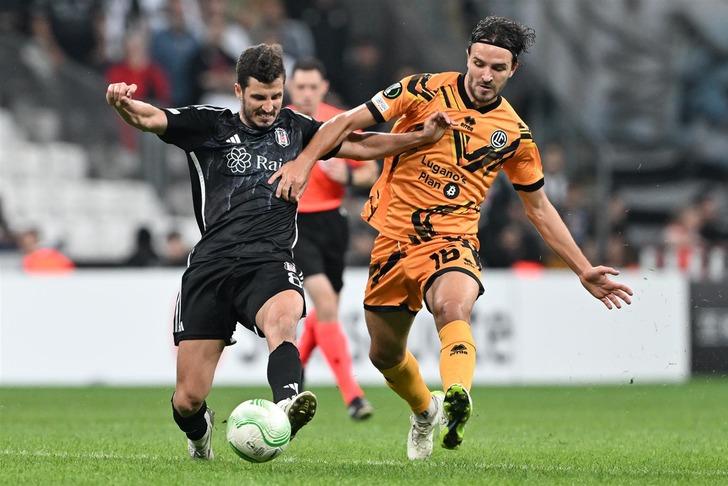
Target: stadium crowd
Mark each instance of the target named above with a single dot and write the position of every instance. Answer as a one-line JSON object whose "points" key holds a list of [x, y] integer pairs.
{"points": [[182, 52]]}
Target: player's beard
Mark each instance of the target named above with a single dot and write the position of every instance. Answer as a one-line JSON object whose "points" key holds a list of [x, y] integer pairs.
{"points": [[252, 114], [488, 96]]}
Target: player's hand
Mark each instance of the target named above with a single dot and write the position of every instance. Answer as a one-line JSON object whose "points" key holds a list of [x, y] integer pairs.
{"points": [[293, 177], [335, 169], [119, 95], [611, 293], [435, 126]]}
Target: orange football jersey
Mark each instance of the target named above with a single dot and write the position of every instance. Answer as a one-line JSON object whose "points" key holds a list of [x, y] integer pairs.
{"points": [[438, 189]]}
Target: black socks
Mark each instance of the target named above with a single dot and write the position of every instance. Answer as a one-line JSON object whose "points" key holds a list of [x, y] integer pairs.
{"points": [[285, 375], [285, 372], [195, 425]]}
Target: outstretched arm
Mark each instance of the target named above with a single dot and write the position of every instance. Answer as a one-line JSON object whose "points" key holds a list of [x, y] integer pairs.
{"points": [[373, 145], [595, 280], [136, 113], [359, 146], [294, 175]]}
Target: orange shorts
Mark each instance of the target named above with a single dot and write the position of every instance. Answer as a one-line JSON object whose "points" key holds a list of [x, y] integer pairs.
{"points": [[400, 273]]}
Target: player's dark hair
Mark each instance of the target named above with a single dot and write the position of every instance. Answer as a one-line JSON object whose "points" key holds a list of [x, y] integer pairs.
{"points": [[309, 64], [505, 33], [264, 62]]}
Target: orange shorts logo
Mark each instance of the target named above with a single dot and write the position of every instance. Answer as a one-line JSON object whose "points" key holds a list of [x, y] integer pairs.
{"points": [[400, 273]]}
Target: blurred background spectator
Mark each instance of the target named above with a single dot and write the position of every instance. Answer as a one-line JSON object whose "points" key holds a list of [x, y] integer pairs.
{"points": [[329, 22], [628, 101], [72, 29], [144, 254], [274, 25], [38, 258], [7, 241], [175, 250], [173, 47], [137, 68], [212, 68]]}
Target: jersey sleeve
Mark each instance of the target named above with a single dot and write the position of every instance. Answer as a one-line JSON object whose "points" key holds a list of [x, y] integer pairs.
{"points": [[191, 126], [524, 168], [309, 127], [400, 98]]}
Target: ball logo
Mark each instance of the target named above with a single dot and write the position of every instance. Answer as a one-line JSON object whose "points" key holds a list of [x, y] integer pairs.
{"points": [[451, 190], [499, 139], [393, 91], [238, 160], [282, 137]]}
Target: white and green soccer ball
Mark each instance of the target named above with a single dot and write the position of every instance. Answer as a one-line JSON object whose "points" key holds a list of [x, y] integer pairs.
{"points": [[258, 430]]}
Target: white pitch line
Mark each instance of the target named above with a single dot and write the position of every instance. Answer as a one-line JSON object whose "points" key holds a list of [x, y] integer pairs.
{"points": [[375, 462]]}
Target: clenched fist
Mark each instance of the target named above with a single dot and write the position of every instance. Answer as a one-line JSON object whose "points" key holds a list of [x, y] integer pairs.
{"points": [[119, 95]]}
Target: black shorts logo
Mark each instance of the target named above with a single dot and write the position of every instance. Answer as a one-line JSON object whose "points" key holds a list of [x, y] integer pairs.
{"points": [[393, 91], [295, 277], [451, 190]]}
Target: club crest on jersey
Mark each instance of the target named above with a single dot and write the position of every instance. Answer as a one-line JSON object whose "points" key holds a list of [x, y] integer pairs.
{"points": [[498, 139], [238, 160], [282, 137]]}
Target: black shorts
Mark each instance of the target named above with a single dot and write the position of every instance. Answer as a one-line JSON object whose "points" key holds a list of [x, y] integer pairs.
{"points": [[216, 295], [323, 239]]}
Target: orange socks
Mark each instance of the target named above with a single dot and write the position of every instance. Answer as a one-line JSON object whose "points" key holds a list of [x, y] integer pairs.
{"points": [[457, 354], [406, 381]]}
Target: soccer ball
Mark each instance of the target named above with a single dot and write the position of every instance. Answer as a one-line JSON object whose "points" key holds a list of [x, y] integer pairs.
{"points": [[258, 430]]}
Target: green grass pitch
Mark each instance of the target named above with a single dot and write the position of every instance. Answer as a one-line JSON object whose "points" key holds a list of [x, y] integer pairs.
{"points": [[629, 434]]}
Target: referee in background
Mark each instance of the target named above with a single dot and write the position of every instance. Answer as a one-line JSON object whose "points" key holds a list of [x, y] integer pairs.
{"points": [[324, 238]]}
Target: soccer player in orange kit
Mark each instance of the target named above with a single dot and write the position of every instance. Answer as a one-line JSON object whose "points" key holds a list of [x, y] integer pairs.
{"points": [[426, 206], [323, 238]]}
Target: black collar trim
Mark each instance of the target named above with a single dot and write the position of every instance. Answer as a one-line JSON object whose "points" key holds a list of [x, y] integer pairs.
{"points": [[469, 103]]}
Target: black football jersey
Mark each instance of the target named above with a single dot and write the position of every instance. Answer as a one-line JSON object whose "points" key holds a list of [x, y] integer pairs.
{"points": [[230, 164]]}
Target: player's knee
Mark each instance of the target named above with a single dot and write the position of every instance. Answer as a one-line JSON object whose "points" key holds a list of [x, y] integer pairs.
{"points": [[281, 326], [188, 402], [383, 360], [450, 309]]}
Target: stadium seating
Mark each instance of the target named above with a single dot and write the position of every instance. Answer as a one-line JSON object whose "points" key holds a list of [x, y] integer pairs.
{"points": [[45, 186]]}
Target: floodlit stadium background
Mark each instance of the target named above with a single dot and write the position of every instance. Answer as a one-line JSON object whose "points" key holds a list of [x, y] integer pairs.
{"points": [[628, 101]]}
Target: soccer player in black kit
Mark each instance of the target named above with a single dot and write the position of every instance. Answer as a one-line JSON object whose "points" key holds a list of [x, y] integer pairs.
{"points": [[242, 269]]}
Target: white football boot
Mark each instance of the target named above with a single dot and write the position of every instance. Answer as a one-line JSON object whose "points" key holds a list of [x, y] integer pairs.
{"points": [[202, 448], [300, 410], [422, 430]]}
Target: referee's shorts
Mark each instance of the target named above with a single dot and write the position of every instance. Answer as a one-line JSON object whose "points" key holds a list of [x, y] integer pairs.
{"points": [[323, 238]]}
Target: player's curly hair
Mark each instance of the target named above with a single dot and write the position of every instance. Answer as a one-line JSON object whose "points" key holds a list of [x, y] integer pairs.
{"points": [[505, 33], [264, 62]]}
